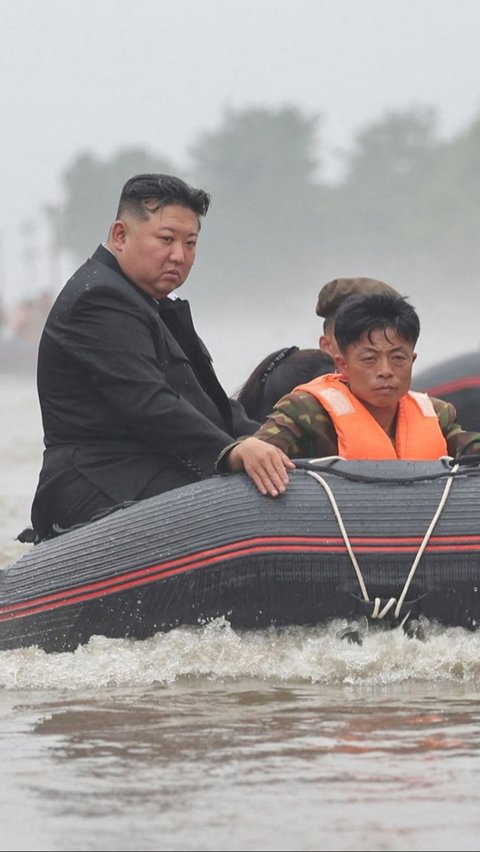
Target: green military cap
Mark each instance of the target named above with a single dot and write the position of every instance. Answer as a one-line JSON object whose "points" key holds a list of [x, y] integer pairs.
{"points": [[335, 292]]}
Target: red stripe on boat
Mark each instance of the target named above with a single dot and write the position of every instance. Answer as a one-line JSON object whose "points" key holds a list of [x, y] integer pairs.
{"points": [[200, 559]]}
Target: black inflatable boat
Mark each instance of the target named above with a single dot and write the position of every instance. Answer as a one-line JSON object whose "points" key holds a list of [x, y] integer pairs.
{"points": [[389, 541]]}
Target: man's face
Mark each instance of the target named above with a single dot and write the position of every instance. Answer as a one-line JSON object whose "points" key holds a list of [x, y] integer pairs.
{"points": [[157, 254], [379, 369]]}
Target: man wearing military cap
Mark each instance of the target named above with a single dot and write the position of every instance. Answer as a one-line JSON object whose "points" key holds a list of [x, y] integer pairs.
{"points": [[331, 297], [366, 410]]}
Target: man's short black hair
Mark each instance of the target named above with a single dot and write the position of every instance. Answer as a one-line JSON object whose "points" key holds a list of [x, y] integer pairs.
{"points": [[144, 194], [362, 314]]}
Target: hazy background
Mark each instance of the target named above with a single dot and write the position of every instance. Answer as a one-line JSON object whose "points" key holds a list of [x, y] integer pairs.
{"points": [[381, 99]]}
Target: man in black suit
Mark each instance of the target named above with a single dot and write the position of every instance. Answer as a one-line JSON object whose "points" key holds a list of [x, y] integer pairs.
{"points": [[130, 403]]}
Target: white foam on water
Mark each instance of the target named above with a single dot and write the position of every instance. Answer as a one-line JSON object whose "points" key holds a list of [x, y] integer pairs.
{"points": [[217, 651]]}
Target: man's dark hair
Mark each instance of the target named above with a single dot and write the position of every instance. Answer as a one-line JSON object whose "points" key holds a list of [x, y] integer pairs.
{"points": [[277, 374], [358, 315], [145, 194]]}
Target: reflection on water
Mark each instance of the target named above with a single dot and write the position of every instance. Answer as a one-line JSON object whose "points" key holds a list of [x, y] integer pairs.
{"points": [[229, 765], [212, 739]]}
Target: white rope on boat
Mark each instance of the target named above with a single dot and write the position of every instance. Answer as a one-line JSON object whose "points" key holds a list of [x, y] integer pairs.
{"points": [[339, 518], [443, 500], [377, 612]]}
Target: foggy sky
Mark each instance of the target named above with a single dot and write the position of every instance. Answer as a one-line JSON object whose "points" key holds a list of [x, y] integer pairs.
{"points": [[99, 75]]}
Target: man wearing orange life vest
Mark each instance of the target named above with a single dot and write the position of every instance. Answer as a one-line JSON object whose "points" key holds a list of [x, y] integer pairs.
{"points": [[364, 411]]}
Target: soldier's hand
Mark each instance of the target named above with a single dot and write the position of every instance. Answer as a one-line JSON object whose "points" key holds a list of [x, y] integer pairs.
{"points": [[264, 463]]}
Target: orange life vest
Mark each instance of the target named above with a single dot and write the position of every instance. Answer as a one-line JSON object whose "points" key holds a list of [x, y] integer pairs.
{"points": [[418, 433]]}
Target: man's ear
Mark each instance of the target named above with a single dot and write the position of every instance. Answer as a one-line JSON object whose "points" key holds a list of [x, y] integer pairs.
{"points": [[340, 363], [414, 356], [324, 344], [118, 234]]}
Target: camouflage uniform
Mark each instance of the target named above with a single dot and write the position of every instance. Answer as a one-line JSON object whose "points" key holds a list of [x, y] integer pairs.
{"points": [[301, 427]]}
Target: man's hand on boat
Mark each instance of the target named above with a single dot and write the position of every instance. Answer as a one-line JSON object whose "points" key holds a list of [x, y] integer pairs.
{"points": [[264, 463]]}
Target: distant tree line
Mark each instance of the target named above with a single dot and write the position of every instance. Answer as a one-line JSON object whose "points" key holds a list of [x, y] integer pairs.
{"points": [[406, 207]]}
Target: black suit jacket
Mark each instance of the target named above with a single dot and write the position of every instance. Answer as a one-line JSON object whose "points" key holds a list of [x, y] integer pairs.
{"points": [[127, 389]]}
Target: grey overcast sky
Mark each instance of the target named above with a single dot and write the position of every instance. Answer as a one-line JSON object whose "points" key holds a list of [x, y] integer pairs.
{"points": [[99, 75]]}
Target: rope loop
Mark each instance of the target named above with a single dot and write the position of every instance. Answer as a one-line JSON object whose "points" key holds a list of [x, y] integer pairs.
{"points": [[381, 608]]}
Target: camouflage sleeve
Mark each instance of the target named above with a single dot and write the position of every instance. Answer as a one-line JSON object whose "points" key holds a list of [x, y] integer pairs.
{"points": [[300, 427], [459, 442]]}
